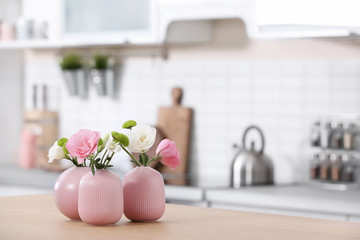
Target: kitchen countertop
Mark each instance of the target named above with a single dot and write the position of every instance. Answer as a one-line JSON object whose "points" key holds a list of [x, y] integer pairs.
{"points": [[297, 197], [36, 217]]}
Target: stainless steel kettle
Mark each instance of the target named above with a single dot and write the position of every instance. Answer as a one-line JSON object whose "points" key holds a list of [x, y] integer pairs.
{"points": [[251, 167]]}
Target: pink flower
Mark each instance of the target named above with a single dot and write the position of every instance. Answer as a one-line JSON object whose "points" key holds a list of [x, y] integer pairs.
{"points": [[168, 153], [82, 144]]}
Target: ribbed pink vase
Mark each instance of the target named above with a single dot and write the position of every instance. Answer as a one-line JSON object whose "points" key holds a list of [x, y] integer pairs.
{"points": [[66, 191], [144, 194], [101, 198]]}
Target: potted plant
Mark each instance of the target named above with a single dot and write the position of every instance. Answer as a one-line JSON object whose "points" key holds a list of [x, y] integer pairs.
{"points": [[102, 74], [72, 67]]}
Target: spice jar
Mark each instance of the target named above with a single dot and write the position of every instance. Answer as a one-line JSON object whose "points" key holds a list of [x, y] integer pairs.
{"points": [[349, 134], [337, 135], [315, 134], [356, 140], [315, 167], [325, 134], [349, 169], [325, 167], [336, 167]]}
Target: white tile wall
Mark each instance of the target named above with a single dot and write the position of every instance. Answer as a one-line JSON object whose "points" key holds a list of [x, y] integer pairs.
{"points": [[11, 104], [282, 97]]}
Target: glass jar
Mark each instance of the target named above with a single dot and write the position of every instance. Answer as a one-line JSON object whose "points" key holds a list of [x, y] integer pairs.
{"points": [[349, 134], [356, 140], [337, 135], [348, 172], [325, 167], [336, 168], [325, 134], [315, 134], [315, 167]]}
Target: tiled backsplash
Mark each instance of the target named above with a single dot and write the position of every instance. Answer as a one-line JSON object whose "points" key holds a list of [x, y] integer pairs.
{"points": [[10, 102], [282, 97]]}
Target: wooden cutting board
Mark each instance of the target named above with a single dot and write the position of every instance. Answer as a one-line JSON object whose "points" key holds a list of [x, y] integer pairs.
{"points": [[175, 123]]}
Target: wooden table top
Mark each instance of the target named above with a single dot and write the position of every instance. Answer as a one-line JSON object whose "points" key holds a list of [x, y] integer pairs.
{"points": [[36, 217]]}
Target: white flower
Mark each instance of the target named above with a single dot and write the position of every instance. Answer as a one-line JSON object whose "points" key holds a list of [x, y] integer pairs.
{"points": [[141, 138], [113, 146], [56, 152]]}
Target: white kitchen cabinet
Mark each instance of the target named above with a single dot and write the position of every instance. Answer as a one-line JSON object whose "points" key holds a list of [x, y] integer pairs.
{"points": [[95, 22], [270, 19], [133, 21], [289, 200], [184, 193], [193, 196], [306, 18], [287, 212], [354, 218], [15, 190]]}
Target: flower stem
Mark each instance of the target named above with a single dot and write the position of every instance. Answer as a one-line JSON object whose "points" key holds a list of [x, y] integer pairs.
{"points": [[107, 164], [97, 153], [134, 160], [153, 160], [103, 156]]}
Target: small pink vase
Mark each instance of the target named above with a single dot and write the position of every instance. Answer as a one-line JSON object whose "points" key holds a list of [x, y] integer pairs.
{"points": [[100, 198], [66, 191], [144, 194]]}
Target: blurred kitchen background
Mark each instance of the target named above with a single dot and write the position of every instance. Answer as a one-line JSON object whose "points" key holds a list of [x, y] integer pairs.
{"points": [[292, 68]]}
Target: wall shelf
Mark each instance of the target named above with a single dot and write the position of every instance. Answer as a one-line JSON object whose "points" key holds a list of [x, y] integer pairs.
{"points": [[58, 44]]}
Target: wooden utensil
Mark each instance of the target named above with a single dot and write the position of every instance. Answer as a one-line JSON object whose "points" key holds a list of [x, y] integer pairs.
{"points": [[174, 122]]}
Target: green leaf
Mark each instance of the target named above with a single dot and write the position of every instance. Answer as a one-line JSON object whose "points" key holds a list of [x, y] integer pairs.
{"points": [[99, 165], [101, 145], [121, 138], [62, 142], [143, 159], [129, 124], [93, 169], [97, 160]]}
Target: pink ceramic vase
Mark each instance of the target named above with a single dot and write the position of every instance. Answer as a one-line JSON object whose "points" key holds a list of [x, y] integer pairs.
{"points": [[100, 198], [66, 191], [144, 194]]}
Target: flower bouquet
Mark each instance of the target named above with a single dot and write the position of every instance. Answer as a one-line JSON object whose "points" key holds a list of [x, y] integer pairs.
{"points": [[92, 193], [144, 191]]}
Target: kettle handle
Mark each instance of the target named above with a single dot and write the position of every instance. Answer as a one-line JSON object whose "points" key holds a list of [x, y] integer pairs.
{"points": [[261, 136]]}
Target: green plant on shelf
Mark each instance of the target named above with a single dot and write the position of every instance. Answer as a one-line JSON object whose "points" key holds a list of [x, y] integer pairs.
{"points": [[100, 62], [71, 62]]}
